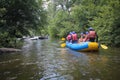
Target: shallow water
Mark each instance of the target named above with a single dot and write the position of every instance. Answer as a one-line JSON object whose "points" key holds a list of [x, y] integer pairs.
{"points": [[45, 60]]}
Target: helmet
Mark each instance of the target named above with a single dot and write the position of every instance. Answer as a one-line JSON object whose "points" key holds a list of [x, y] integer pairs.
{"points": [[86, 32], [90, 28], [70, 33], [73, 32]]}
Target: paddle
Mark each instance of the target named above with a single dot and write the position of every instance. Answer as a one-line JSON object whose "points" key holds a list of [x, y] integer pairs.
{"points": [[63, 44], [104, 46], [63, 39]]}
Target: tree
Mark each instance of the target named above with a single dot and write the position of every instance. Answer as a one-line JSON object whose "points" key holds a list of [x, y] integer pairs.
{"points": [[78, 15], [18, 17]]}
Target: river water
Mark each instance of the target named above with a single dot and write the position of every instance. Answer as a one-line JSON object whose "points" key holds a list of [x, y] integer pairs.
{"points": [[45, 60]]}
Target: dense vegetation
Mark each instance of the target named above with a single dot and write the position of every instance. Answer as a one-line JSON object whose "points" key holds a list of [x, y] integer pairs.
{"points": [[77, 15], [28, 17], [18, 18]]}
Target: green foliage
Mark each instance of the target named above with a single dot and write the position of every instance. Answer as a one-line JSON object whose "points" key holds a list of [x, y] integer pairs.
{"points": [[106, 22], [78, 15], [7, 41], [18, 18]]}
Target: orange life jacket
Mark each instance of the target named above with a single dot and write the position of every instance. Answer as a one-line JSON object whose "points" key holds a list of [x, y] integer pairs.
{"points": [[92, 34], [74, 36]]}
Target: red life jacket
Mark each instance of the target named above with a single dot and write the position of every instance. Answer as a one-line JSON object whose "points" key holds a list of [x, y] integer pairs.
{"points": [[92, 34], [74, 36], [69, 37]]}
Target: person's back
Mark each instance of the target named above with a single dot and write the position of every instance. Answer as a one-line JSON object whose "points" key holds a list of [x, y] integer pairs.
{"points": [[74, 37], [69, 37], [92, 35], [86, 37]]}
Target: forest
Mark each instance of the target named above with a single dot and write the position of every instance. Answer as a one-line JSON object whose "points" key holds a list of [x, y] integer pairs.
{"points": [[57, 18]]}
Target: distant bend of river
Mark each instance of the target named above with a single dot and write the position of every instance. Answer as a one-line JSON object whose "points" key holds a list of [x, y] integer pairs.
{"points": [[45, 60]]}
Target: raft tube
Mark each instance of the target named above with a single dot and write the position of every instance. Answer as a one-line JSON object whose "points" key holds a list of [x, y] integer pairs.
{"points": [[83, 46]]}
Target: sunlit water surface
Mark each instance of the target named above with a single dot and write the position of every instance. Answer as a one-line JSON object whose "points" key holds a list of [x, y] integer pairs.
{"points": [[45, 60]]}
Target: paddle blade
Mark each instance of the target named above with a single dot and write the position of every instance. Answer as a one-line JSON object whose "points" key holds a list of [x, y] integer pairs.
{"points": [[63, 39], [63, 45], [104, 46]]}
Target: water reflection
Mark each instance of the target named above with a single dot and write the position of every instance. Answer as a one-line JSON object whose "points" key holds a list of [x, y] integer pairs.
{"points": [[45, 60]]}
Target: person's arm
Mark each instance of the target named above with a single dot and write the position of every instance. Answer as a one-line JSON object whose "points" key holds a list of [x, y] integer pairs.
{"points": [[85, 39]]}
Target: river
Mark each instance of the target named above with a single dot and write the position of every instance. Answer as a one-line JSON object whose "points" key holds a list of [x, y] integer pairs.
{"points": [[45, 60]]}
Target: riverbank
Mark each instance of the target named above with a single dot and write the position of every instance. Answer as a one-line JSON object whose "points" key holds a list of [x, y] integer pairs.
{"points": [[6, 50]]}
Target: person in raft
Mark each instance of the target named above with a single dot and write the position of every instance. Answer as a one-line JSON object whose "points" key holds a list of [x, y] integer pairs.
{"points": [[69, 37], [86, 36], [74, 37], [82, 36], [92, 35]]}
